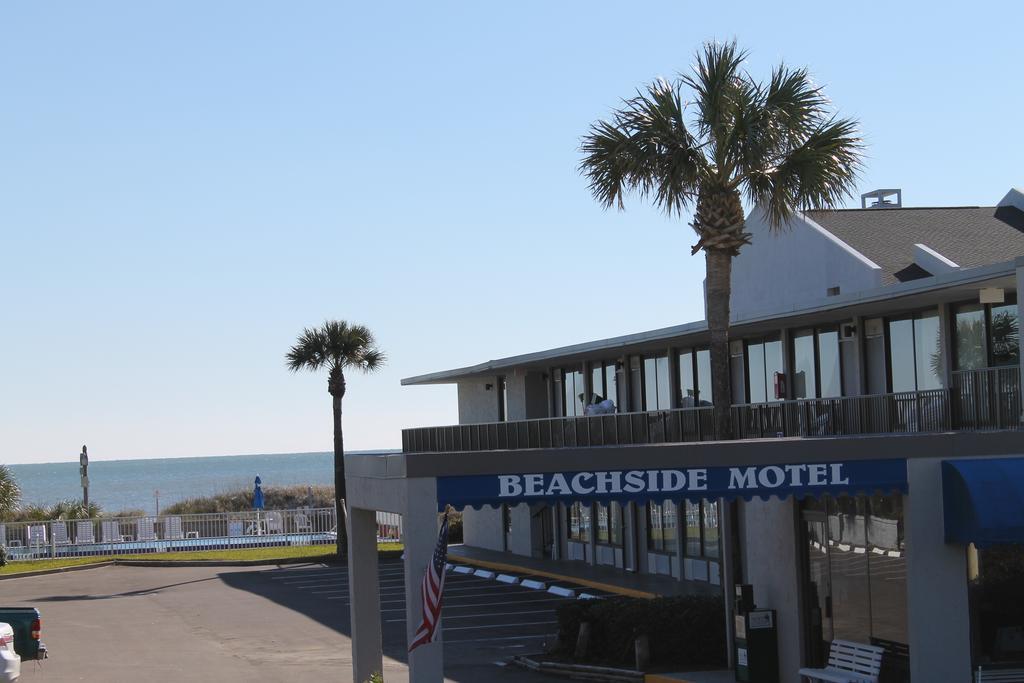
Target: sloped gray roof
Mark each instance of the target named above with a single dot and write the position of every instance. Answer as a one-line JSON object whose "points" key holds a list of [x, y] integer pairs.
{"points": [[969, 235]]}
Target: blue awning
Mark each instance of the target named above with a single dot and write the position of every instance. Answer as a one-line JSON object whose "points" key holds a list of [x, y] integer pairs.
{"points": [[983, 500]]}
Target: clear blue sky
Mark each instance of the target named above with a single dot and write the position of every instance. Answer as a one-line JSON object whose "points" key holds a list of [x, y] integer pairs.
{"points": [[184, 186]]}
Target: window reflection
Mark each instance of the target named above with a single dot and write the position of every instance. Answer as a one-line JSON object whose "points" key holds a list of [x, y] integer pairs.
{"points": [[710, 528], [579, 522], [1005, 335], [661, 527], [970, 337], [927, 351], [856, 575]]}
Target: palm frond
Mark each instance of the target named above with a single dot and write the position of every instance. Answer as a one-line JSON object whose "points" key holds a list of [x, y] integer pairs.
{"points": [[716, 77], [308, 352], [817, 174], [645, 148]]}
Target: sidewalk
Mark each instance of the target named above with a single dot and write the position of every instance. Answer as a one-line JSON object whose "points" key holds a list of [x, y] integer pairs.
{"points": [[608, 579]]}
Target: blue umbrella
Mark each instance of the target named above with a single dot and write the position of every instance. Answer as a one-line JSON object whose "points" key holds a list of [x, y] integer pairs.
{"points": [[257, 494]]}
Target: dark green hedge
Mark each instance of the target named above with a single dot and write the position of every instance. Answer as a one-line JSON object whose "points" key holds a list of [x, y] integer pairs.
{"points": [[687, 629]]}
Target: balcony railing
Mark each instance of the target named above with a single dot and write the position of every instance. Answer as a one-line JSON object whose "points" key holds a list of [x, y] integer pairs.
{"points": [[977, 400]]}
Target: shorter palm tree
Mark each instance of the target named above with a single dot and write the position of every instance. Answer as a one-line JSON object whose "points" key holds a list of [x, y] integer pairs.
{"points": [[336, 346], [10, 492]]}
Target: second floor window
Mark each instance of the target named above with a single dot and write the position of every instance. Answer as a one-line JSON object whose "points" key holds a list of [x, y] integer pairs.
{"points": [[694, 378], [657, 393], [764, 359], [915, 357], [986, 335]]}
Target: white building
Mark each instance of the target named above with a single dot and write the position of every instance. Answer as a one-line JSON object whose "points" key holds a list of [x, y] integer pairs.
{"points": [[869, 347]]}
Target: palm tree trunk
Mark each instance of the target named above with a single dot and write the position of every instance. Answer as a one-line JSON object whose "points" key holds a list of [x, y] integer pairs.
{"points": [[719, 288], [339, 476]]}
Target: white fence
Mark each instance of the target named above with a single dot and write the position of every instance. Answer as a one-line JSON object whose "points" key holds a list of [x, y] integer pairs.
{"points": [[176, 533]]}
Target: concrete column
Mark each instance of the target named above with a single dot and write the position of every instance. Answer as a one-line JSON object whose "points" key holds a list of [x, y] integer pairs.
{"points": [[937, 606], [364, 594], [727, 568], [420, 527]]}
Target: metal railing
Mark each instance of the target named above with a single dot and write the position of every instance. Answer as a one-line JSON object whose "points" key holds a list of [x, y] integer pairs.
{"points": [[977, 400], [988, 399], [179, 533]]}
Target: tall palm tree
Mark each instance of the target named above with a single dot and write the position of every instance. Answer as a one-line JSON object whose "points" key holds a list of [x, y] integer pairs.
{"points": [[336, 346], [775, 144]]}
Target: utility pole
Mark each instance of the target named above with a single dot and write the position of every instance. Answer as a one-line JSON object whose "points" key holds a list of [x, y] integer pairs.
{"points": [[83, 470]]}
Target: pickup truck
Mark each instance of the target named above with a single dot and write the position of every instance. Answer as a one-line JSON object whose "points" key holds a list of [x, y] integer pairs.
{"points": [[27, 627]]}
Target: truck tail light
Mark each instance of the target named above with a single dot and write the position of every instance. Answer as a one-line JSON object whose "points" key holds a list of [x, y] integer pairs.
{"points": [[4, 640], [37, 626]]}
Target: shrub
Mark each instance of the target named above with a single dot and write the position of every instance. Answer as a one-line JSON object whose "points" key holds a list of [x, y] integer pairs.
{"points": [[3, 556], [454, 527], [274, 498], [687, 630]]}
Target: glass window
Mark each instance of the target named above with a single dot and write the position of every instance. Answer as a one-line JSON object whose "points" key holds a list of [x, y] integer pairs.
{"points": [[804, 375], [901, 355], [611, 383], [710, 524], [655, 527], [888, 568], [772, 365], [851, 597], [661, 526], [502, 399], [609, 524], [996, 594], [579, 522], [764, 359], [693, 541], [656, 384], [573, 389], [704, 388], [687, 388], [755, 373], [969, 337], [1005, 335], [928, 351], [828, 364]]}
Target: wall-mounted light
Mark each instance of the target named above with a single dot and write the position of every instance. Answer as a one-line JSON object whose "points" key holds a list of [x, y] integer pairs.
{"points": [[488, 387]]}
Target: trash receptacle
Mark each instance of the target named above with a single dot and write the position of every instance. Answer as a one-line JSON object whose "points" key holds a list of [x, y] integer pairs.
{"points": [[757, 650]]}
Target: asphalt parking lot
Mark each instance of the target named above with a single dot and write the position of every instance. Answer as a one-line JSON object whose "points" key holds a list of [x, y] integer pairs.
{"points": [[263, 624]]}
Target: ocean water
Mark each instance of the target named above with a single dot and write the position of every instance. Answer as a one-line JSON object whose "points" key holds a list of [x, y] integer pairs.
{"points": [[130, 484]]}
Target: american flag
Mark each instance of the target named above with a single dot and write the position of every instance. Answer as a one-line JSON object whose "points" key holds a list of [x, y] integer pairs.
{"points": [[432, 590]]}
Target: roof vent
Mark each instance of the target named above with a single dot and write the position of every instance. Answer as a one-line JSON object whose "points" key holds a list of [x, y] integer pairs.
{"points": [[882, 199]]}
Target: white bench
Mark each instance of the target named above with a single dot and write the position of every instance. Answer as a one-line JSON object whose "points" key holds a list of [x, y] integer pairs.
{"points": [[848, 662], [983, 675]]}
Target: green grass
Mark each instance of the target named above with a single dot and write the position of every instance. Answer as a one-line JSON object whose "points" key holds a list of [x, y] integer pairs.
{"points": [[314, 553]]}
